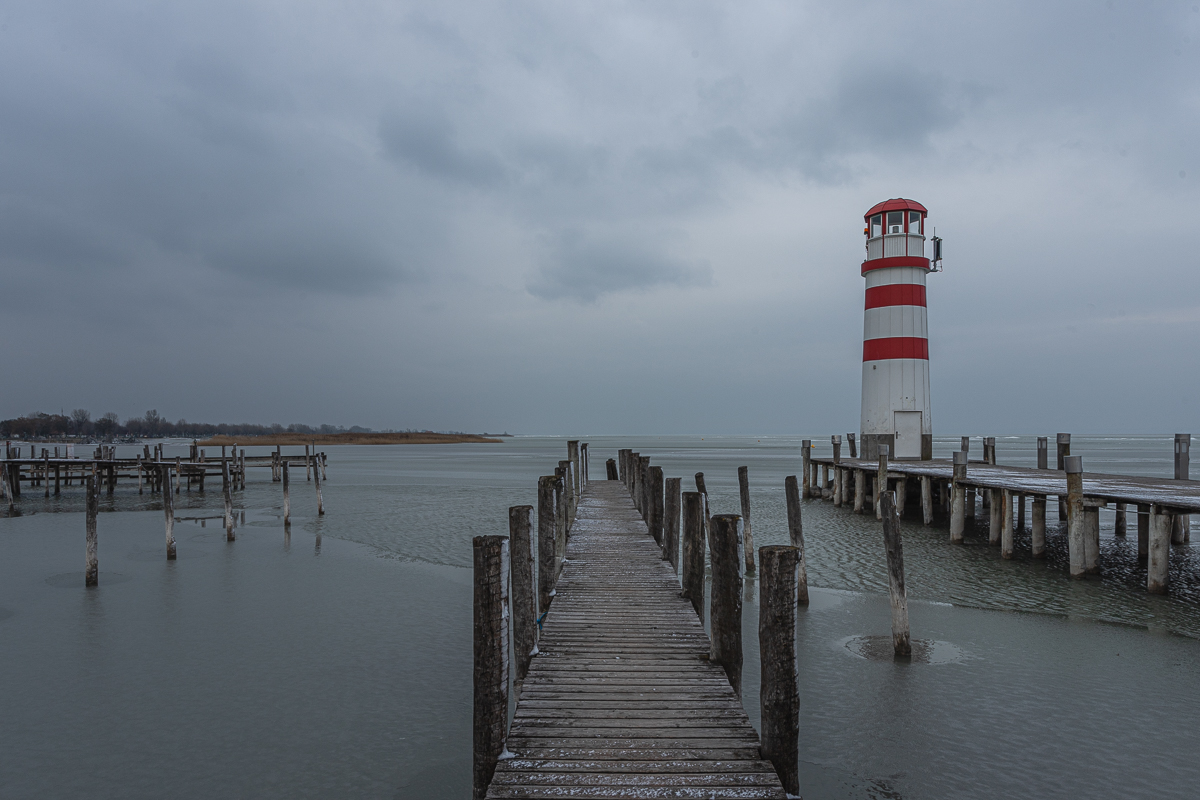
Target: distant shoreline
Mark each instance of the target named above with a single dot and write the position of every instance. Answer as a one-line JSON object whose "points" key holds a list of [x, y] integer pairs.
{"points": [[349, 438]]}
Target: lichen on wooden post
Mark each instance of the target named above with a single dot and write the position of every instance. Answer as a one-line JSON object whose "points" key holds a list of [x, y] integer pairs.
{"points": [[779, 695]]}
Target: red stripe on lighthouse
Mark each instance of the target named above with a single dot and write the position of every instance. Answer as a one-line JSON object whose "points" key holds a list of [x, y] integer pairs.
{"points": [[896, 294], [895, 347]]}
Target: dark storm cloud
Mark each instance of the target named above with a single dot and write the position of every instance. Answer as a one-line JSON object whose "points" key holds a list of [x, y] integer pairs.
{"points": [[583, 269]]}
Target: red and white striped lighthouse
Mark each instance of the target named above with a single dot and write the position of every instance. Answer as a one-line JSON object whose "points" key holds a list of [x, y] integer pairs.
{"points": [[895, 380]]}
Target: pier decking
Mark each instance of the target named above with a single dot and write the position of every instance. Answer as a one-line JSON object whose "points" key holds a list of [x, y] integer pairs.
{"points": [[622, 701]]}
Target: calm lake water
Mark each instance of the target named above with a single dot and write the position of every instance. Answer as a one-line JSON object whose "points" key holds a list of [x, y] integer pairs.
{"points": [[336, 661]]}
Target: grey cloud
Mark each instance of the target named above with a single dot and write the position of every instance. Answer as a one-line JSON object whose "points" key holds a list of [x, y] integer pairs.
{"points": [[583, 269], [424, 137]]}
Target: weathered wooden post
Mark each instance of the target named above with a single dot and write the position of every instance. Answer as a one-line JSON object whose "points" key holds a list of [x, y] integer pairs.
{"points": [[1119, 522], [1160, 550], [635, 479], [896, 591], [622, 468], [958, 503], [560, 520], [307, 464], [6, 481], [1006, 525], [524, 587], [547, 531], [795, 525], [573, 456], [287, 500], [1043, 446], [168, 512], [779, 695], [1181, 532], [1143, 531], [703, 490], [1063, 441], [491, 658], [46, 473], [178, 473], [654, 519], [994, 515], [227, 491], [91, 573], [744, 494], [836, 441], [1091, 536], [824, 481], [853, 446], [726, 611], [1075, 523], [611, 466], [1037, 529], [671, 522], [1020, 497], [881, 479], [693, 550], [901, 495], [927, 499], [860, 491], [568, 497], [806, 458], [644, 488]]}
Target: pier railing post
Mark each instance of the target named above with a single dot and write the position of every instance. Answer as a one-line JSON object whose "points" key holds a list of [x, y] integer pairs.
{"points": [[853, 445], [806, 458], [611, 467], [524, 587], [227, 491], [1006, 524], [779, 696], [897, 594], [654, 519], [1037, 529], [958, 503], [1063, 442], [726, 613], [490, 721], [744, 494], [91, 572], [168, 512], [1160, 550], [795, 525], [837, 469], [1073, 466], [693, 550], [547, 545], [671, 522], [927, 499]]}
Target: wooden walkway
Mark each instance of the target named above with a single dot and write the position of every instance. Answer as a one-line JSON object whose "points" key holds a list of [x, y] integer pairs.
{"points": [[622, 701]]}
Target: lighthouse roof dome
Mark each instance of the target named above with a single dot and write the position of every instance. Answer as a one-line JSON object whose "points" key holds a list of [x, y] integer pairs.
{"points": [[896, 204]]}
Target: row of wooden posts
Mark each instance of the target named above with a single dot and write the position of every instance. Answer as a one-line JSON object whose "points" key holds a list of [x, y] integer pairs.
{"points": [[1158, 526], [681, 523]]}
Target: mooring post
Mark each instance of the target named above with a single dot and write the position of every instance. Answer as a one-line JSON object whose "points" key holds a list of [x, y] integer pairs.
{"points": [[994, 515], [674, 486], [1073, 466], [644, 487], [46, 472], [547, 533], [573, 455], [927, 499], [568, 498], [901, 496], [703, 490], [491, 658], [958, 503], [655, 518], [168, 512], [1063, 441], [779, 695], [7, 483], [853, 446], [524, 593], [744, 494], [1181, 532], [178, 473], [860, 491], [726, 611], [806, 458], [795, 524], [837, 470], [1091, 537], [317, 483], [1038, 528], [622, 470], [1160, 550], [1043, 446], [227, 492], [1006, 525], [693, 551], [611, 466], [1143, 531], [881, 479], [825, 481], [897, 595], [287, 500], [560, 520], [1119, 522], [635, 479], [91, 573]]}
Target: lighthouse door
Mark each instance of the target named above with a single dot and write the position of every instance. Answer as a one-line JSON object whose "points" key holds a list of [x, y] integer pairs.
{"points": [[908, 434]]}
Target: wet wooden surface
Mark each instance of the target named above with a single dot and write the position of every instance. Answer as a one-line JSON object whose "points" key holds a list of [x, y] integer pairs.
{"points": [[621, 701]]}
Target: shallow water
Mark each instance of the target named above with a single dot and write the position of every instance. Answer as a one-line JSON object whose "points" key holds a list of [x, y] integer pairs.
{"points": [[336, 661]]}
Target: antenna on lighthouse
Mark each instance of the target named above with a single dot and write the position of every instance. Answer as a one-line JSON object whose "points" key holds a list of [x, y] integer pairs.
{"points": [[937, 252]]}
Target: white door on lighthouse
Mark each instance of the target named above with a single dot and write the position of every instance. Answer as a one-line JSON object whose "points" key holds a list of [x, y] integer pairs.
{"points": [[908, 434]]}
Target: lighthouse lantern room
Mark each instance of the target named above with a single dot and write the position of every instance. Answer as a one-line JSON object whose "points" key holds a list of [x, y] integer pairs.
{"points": [[895, 379]]}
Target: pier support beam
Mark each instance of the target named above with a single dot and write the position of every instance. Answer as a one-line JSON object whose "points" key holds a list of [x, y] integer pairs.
{"points": [[726, 612], [748, 537], [927, 499], [523, 586], [995, 515], [1143, 532], [693, 550], [1075, 522], [1091, 539], [958, 502], [1119, 523], [490, 720], [779, 696], [1160, 550], [796, 534], [168, 512], [91, 570], [1038, 527], [860, 490]]}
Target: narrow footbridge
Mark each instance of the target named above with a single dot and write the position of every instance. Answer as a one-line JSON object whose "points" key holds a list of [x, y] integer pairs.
{"points": [[622, 700]]}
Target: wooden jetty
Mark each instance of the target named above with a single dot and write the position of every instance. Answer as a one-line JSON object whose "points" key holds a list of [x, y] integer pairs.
{"points": [[627, 697], [948, 488]]}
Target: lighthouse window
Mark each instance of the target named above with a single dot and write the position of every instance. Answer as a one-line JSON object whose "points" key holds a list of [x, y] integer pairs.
{"points": [[914, 222], [895, 221], [876, 225]]}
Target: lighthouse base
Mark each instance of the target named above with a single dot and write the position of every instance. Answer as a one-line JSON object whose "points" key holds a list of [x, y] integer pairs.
{"points": [[871, 442]]}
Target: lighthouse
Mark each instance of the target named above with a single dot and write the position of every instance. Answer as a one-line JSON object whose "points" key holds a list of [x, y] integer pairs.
{"points": [[895, 378]]}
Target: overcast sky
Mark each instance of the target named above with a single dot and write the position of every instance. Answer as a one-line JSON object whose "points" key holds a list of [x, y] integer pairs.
{"points": [[595, 217]]}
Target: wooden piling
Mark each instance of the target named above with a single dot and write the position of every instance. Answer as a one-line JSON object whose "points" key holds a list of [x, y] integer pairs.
{"points": [[46, 473], [1143, 532], [91, 572], [654, 519], [897, 595], [227, 494], [958, 502], [611, 467], [795, 525], [168, 512], [1075, 523], [806, 458], [644, 487], [524, 587], [1091, 538], [1063, 443], [779, 693], [1043, 446], [491, 634], [560, 520], [1181, 531], [307, 464], [1006, 525], [671, 500], [178, 473], [725, 614], [836, 441], [901, 496], [6, 482], [853, 446], [1159, 550], [994, 515], [1020, 497], [1119, 523], [287, 500], [926, 499], [748, 537], [860, 491], [1037, 529], [317, 478], [881, 479], [692, 579], [573, 456], [546, 532]]}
